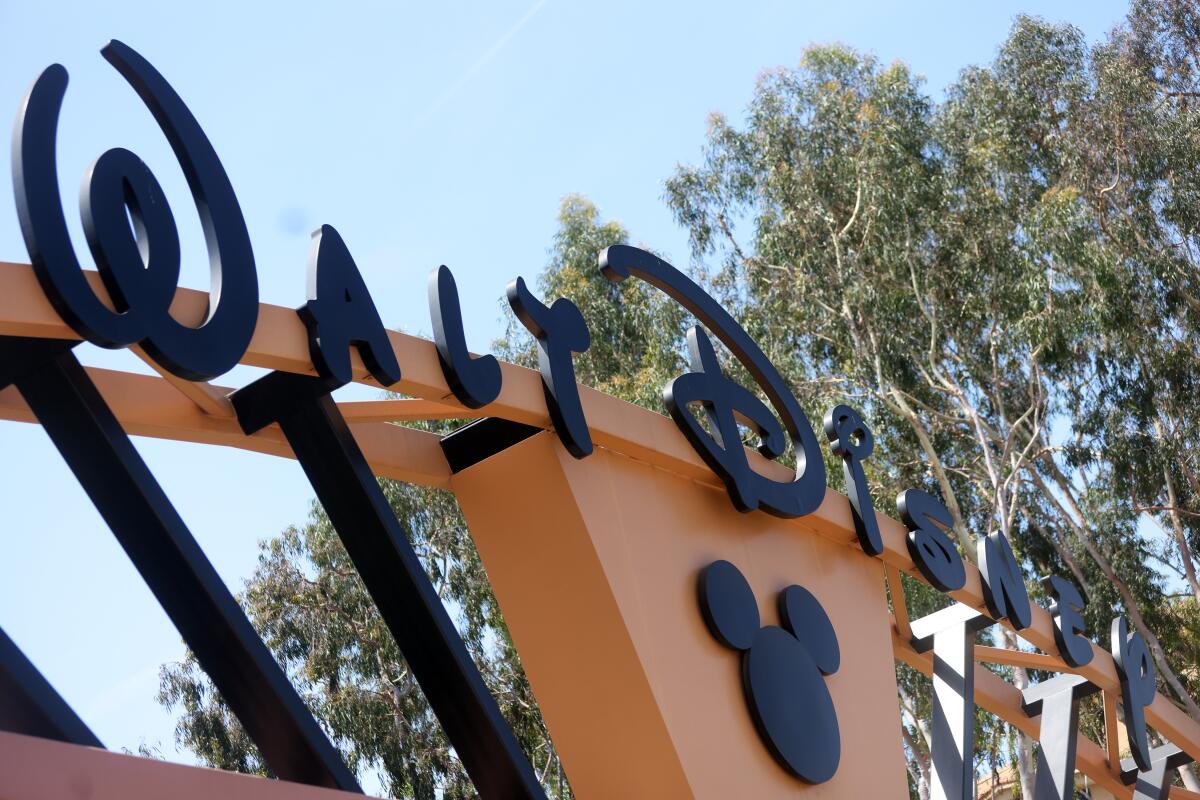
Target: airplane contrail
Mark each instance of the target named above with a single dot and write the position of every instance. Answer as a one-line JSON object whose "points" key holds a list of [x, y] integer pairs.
{"points": [[479, 63]]}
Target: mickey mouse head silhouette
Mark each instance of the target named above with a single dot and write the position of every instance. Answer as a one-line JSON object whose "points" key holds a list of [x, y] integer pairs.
{"points": [[781, 669]]}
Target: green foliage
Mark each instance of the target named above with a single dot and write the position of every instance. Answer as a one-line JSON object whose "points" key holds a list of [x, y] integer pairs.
{"points": [[637, 333]]}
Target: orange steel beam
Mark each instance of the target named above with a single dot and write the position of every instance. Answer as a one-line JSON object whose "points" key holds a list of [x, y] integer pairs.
{"points": [[43, 769], [900, 620], [594, 564], [150, 406], [1019, 658], [1112, 735], [280, 342], [211, 399]]}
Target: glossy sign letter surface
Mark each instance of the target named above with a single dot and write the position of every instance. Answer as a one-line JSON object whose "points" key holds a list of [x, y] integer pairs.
{"points": [[139, 266], [748, 489]]}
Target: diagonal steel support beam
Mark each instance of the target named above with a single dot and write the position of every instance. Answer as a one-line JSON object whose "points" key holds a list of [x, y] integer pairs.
{"points": [[157, 541], [30, 706], [379, 547]]}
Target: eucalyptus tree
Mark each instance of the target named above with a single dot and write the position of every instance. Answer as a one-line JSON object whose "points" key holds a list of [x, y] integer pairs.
{"points": [[977, 278]]}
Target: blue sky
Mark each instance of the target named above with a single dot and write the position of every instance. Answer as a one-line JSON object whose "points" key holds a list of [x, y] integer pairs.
{"points": [[427, 134]]}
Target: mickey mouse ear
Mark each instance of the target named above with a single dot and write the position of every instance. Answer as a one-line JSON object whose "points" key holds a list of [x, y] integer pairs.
{"points": [[728, 604], [804, 616]]}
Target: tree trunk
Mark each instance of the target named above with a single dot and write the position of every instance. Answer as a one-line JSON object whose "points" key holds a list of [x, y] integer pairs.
{"points": [[1026, 763], [1185, 552], [899, 404]]}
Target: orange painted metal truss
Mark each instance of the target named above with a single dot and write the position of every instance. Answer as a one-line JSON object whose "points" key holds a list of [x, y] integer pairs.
{"points": [[169, 408]]}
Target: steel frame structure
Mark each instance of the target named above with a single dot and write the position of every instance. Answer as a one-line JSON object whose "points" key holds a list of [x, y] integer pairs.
{"points": [[168, 407]]}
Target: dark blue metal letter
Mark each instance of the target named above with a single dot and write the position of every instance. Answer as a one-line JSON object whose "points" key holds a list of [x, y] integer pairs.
{"points": [[936, 557], [340, 313], [1003, 584], [1074, 648], [851, 439], [139, 267], [475, 381], [748, 489], [1135, 668], [560, 331]]}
